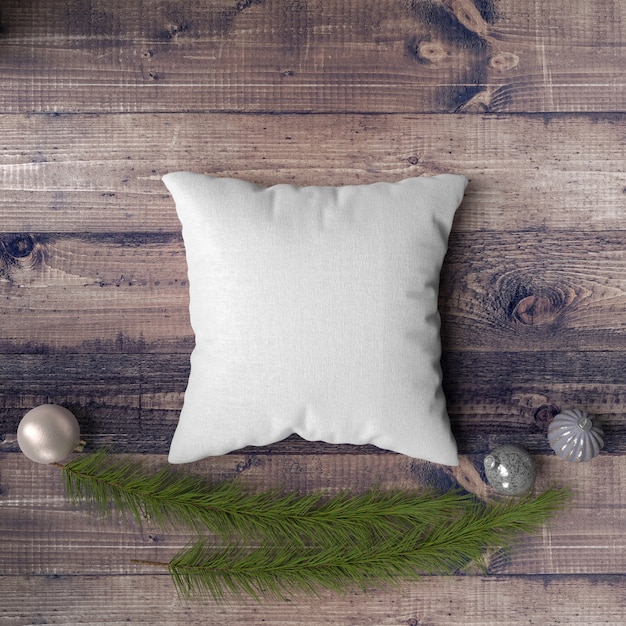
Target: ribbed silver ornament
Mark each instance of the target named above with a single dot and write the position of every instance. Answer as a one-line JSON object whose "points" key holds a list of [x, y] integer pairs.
{"points": [[574, 437]]}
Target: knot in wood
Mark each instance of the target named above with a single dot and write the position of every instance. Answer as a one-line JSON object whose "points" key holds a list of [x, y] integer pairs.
{"points": [[503, 61], [544, 415], [18, 246], [530, 301], [431, 51], [21, 251], [426, 51], [540, 308]]}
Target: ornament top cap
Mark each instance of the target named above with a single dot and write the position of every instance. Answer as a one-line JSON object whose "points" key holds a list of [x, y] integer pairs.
{"points": [[510, 470], [490, 461]]}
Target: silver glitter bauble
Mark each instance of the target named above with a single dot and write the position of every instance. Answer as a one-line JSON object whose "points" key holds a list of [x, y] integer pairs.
{"points": [[48, 433], [510, 470], [574, 437]]}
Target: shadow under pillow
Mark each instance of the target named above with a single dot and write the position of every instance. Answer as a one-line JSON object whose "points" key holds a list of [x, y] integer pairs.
{"points": [[315, 312]]}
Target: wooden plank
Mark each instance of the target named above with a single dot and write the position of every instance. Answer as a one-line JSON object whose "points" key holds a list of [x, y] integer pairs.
{"points": [[101, 173], [446, 601], [135, 419], [94, 294], [145, 422], [38, 524], [119, 293], [54, 553], [100, 323], [133, 400], [529, 291], [280, 56]]}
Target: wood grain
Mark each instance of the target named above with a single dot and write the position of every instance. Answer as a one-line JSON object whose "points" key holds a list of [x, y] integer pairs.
{"points": [[101, 173], [39, 524], [524, 292], [318, 56], [100, 323], [100, 98], [445, 601], [534, 291], [54, 553], [120, 293]]}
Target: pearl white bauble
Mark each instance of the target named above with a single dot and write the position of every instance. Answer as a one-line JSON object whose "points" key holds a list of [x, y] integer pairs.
{"points": [[48, 433]]}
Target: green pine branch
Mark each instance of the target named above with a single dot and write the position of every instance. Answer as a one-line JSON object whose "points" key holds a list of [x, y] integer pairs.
{"points": [[274, 570], [305, 542], [170, 498]]}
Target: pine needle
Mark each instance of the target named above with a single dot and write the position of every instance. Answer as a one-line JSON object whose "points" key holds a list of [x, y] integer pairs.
{"points": [[169, 498], [163, 497], [306, 542], [275, 570], [489, 526]]}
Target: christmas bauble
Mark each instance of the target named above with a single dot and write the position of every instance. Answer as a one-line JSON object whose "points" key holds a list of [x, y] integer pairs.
{"points": [[48, 433], [574, 437], [510, 470]]}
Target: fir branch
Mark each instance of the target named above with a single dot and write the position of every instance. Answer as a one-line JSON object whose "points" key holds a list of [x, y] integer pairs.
{"points": [[164, 497], [487, 527], [308, 542], [273, 570], [169, 498]]}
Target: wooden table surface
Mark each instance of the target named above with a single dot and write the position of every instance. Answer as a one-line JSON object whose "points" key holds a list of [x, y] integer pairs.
{"points": [[100, 98]]}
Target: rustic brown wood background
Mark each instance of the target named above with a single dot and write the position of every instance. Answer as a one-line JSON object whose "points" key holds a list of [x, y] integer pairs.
{"points": [[100, 98]]}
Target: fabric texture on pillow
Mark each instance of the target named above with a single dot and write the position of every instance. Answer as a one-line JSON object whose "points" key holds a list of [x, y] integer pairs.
{"points": [[315, 312]]}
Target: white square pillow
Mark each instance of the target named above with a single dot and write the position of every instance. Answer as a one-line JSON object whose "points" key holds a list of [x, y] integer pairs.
{"points": [[315, 312]]}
